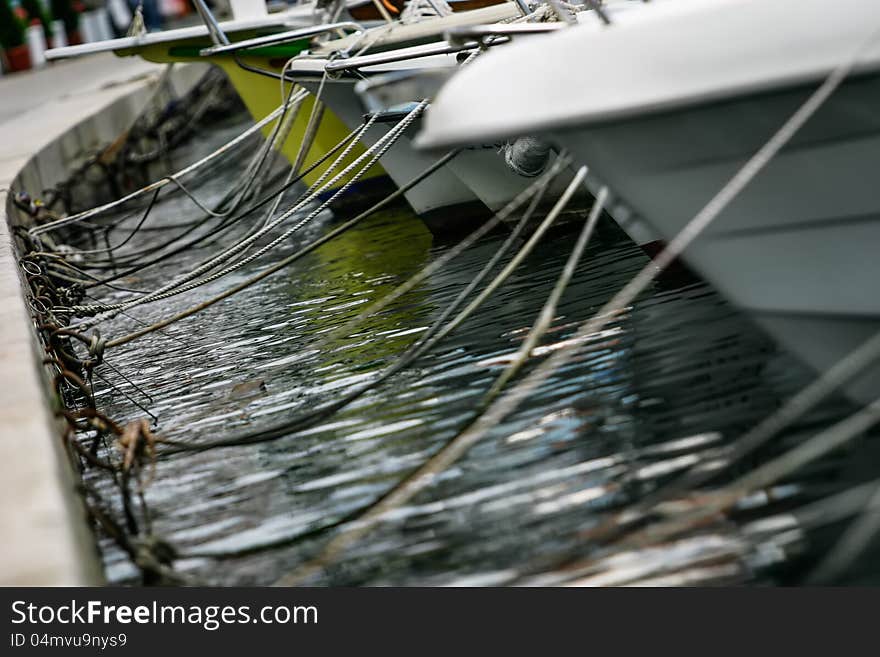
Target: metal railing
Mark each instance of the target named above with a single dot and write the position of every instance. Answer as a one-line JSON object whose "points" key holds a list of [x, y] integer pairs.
{"points": [[282, 37], [478, 33]]}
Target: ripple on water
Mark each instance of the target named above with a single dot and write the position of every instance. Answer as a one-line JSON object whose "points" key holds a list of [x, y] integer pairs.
{"points": [[678, 374]]}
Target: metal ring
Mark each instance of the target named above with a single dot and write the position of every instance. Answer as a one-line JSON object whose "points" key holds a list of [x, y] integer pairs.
{"points": [[32, 302], [31, 267]]}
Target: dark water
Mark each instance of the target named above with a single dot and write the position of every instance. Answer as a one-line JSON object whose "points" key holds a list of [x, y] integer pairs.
{"points": [[680, 364]]}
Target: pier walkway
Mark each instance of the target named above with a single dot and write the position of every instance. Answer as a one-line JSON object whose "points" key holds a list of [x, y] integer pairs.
{"points": [[45, 540]]}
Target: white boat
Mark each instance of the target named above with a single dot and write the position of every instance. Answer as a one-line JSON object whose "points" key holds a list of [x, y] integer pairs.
{"points": [[667, 104], [478, 179]]}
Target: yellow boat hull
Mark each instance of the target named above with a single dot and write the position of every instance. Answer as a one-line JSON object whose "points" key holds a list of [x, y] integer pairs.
{"points": [[262, 95]]}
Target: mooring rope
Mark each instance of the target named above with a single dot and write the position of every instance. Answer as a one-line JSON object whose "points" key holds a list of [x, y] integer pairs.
{"points": [[177, 287], [236, 196], [463, 441], [437, 332], [86, 214], [241, 215], [304, 200], [851, 544], [493, 222], [285, 262], [763, 476], [499, 409], [548, 312], [265, 200], [843, 371], [305, 144]]}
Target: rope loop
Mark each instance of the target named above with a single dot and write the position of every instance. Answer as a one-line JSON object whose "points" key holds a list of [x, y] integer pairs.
{"points": [[30, 267], [38, 305], [96, 347]]}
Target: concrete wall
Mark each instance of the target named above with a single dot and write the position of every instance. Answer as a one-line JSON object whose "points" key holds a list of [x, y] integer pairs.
{"points": [[65, 112]]}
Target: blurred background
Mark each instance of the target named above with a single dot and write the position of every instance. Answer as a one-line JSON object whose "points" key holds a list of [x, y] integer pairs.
{"points": [[29, 27]]}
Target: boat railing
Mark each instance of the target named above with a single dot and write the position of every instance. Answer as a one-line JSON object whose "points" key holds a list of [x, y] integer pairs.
{"points": [[455, 40], [479, 33], [282, 37], [338, 66]]}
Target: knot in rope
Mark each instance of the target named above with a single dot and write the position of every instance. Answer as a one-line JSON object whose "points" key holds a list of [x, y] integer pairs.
{"points": [[96, 347], [72, 294]]}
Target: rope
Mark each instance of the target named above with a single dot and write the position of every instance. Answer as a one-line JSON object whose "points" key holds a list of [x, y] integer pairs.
{"points": [[66, 221], [235, 219], [454, 449], [499, 409], [502, 407], [177, 287], [288, 260], [493, 222], [853, 543], [435, 334]]}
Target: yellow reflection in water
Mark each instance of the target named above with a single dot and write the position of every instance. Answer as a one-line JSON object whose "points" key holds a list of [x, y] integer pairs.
{"points": [[361, 266]]}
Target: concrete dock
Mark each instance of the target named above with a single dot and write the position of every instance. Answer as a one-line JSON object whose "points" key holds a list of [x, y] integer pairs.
{"points": [[48, 119]]}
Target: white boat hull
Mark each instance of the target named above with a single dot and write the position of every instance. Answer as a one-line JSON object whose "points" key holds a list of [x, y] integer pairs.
{"points": [[402, 161], [475, 181], [798, 248], [667, 104]]}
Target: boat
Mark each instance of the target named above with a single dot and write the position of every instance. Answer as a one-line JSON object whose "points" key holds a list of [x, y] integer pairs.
{"points": [[479, 179], [668, 103], [411, 59], [255, 77], [453, 198]]}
